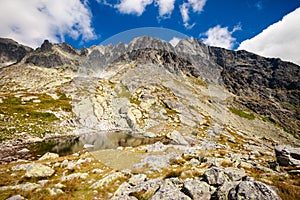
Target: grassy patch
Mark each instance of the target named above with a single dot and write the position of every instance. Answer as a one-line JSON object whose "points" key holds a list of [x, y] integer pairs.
{"points": [[19, 119], [241, 113]]}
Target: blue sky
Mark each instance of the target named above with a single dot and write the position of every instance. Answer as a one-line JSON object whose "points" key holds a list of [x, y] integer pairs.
{"points": [[267, 27]]}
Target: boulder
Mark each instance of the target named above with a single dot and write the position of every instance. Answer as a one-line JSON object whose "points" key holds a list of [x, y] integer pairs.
{"points": [[177, 138], [215, 176], [48, 156], [252, 190], [16, 197], [169, 190], [234, 174], [222, 192], [36, 170], [110, 178], [197, 189], [75, 176], [287, 155]]}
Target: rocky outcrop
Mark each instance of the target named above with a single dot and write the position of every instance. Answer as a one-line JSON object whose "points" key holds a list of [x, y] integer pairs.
{"points": [[287, 155], [11, 52]]}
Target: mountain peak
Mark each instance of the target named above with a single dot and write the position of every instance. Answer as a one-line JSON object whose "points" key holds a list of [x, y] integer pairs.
{"points": [[11, 52]]}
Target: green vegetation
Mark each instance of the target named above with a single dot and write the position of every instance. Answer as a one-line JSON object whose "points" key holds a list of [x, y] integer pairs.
{"points": [[21, 118], [241, 113]]}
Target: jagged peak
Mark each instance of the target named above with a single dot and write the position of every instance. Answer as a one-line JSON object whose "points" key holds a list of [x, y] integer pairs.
{"points": [[46, 46], [149, 42]]}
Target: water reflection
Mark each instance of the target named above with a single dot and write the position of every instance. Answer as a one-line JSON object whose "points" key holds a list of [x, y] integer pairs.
{"points": [[93, 141]]}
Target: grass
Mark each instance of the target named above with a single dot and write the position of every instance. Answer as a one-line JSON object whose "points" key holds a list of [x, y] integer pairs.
{"points": [[30, 118], [241, 113]]}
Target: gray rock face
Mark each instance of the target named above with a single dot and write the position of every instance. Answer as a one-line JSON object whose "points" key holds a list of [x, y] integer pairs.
{"points": [[11, 52], [287, 155], [252, 190], [253, 77]]}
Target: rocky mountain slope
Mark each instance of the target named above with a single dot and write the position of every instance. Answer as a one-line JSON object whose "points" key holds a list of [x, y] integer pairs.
{"points": [[187, 118]]}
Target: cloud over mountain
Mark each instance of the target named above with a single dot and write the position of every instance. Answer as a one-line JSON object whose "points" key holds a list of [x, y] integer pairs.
{"points": [[220, 37]]}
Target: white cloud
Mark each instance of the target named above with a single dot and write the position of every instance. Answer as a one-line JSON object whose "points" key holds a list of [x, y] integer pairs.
{"points": [[30, 22], [166, 7], [220, 37], [281, 39], [136, 7], [174, 41], [196, 6]]}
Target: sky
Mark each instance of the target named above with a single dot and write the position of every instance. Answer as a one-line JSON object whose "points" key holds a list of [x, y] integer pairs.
{"points": [[270, 28]]}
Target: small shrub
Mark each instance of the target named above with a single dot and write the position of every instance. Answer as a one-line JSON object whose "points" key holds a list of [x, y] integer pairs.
{"points": [[242, 113]]}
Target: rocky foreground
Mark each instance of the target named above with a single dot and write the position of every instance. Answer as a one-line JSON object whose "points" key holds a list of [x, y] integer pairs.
{"points": [[178, 170]]}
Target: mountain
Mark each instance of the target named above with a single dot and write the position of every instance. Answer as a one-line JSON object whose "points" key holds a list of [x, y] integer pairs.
{"points": [[11, 52], [232, 107]]}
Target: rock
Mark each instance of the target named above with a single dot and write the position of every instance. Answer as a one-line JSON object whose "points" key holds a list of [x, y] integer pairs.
{"points": [[197, 189], [177, 138], [245, 165], [215, 176], [54, 191], [137, 179], [138, 188], [59, 185], [48, 156], [36, 170], [64, 163], [223, 190], [24, 187], [287, 155], [145, 190], [158, 162], [110, 178], [75, 176], [156, 147], [20, 167], [16, 197], [252, 190], [194, 162], [97, 171], [235, 174], [72, 166], [43, 182], [169, 190], [23, 151], [81, 160]]}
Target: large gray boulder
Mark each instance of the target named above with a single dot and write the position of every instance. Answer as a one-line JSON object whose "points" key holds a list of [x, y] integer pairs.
{"points": [[287, 155], [248, 190]]}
